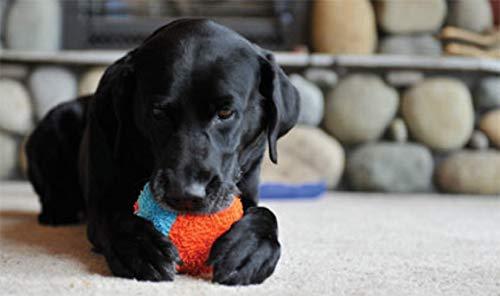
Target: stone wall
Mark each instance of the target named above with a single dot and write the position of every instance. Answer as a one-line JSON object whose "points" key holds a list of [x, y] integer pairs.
{"points": [[371, 130], [395, 131], [27, 93], [337, 27], [410, 27], [362, 128]]}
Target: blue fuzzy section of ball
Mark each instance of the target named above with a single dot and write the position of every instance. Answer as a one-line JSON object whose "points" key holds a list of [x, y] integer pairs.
{"points": [[149, 209]]}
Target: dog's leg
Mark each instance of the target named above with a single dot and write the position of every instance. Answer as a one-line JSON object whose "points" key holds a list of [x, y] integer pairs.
{"points": [[133, 248], [248, 252], [52, 152]]}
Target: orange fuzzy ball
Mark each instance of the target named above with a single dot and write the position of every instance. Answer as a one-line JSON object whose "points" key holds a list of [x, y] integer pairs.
{"points": [[192, 234]]}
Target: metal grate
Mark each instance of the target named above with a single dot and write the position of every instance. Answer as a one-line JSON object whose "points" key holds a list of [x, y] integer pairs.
{"points": [[120, 24]]}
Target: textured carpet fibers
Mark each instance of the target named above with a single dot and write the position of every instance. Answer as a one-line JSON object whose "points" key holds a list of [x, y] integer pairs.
{"points": [[341, 244]]}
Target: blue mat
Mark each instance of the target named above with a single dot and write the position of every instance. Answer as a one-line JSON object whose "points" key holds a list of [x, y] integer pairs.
{"points": [[288, 191]]}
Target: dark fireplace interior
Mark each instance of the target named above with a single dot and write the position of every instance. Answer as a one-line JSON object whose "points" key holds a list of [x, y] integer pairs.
{"points": [[121, 24]]}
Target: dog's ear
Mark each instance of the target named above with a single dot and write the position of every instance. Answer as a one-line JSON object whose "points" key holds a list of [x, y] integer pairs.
{"points": [[113, 99], [282, 101]]}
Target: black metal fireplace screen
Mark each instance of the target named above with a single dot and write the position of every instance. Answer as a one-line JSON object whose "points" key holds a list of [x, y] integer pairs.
{"points": [[120, 24]]}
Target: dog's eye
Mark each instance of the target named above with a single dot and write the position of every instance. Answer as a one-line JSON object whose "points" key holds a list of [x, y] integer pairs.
{"points": [[160, 110], [225, 114], [159, 113]]}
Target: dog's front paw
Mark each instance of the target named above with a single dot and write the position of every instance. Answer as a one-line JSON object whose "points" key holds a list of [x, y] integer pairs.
{"points": [[248, 252], [137, 250]]}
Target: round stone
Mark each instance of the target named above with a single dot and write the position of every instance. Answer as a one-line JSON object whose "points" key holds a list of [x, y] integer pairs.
{"points": [[398, 131], [306, 154], [334, 30], [34, 25], [50, 86], [472, 172], [410, 16], [471, 15], [490, 125], [16, 113], [7, 155], [360, 108], [311, 101], [323, 78], [487, 94], [410, 45], [90, 80], [479, 141], [390, 167], [439, 113]]}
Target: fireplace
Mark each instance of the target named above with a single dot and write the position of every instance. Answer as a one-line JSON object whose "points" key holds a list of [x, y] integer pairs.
{"points": [[121, 24]]}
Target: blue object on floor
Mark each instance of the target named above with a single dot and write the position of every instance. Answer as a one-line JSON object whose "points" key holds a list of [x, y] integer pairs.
{"points": [[288, 191]]}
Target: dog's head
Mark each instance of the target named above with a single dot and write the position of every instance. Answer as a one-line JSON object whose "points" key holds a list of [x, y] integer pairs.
{"points": [[205, 100]]}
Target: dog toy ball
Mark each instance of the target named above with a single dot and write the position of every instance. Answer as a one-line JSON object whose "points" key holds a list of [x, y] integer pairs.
{"points": [[192, 234]]}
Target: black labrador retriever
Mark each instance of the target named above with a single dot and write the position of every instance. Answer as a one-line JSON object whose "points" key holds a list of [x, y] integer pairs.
{"points": [[190, 110]]}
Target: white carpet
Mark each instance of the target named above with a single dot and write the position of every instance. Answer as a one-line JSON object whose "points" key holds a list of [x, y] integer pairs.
{"points": [[341, 244]]}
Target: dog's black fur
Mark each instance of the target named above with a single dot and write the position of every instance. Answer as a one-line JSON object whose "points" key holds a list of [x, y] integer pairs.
{"points": [[188, 110]]}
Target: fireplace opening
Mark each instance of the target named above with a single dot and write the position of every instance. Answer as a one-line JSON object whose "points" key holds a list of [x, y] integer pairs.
{"points": [[121, 24]]}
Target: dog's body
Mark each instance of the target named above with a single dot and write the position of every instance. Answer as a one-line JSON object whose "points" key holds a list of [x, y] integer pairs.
{"points": [[189, 110]]}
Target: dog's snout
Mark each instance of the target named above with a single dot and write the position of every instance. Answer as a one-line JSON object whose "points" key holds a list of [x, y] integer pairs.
{"points": [[185, 189], [190, 198], [196, 190], [182, 191], [186, 202]]}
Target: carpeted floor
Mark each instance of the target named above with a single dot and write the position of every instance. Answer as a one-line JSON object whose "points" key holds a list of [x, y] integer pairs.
{"points": [[341, 244]]}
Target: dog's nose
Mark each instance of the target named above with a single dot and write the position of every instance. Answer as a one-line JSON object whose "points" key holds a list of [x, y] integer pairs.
{"points": [[191, 198], [196, 190]]}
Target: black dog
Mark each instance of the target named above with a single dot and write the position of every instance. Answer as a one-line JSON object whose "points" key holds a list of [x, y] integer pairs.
{"points": [[188, 110]]}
